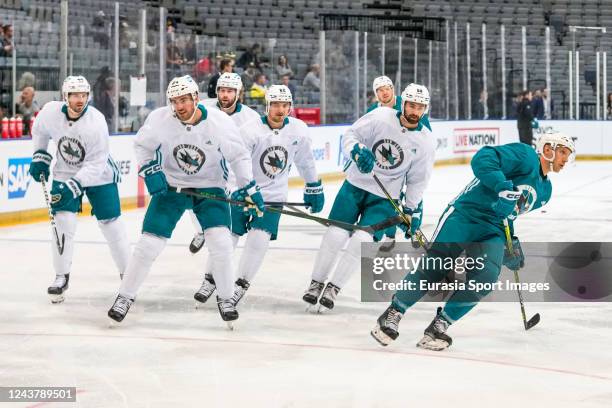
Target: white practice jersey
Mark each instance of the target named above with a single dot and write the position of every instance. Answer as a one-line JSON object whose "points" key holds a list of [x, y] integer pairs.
{"points": [[404, 158], [194, 156], [273, 152], [82, 144], [241, 115]]}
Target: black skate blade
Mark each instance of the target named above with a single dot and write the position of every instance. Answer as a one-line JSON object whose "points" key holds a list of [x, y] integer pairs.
{"points": [[533, 321]]}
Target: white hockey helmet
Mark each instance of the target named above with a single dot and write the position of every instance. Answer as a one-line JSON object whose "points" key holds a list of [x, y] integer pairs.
{"points": [[230, 80], [74, 84], [415, 93], [554, 139], [184, 85], [180, 86], [278, 93], [380, 82]]}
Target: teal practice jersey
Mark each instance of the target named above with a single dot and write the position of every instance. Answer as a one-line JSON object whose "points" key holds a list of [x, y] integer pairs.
{"points": [[517, 162], [397, 106]]}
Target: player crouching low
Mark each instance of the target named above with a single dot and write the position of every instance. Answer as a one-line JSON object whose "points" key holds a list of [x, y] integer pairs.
{"points": [[185, 146], [509, 180]]}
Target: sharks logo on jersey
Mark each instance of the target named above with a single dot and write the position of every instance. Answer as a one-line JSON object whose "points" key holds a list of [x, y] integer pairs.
{"points": [[189, 158], [524, 204], [71, 150], [273, 161], [389, 154]]}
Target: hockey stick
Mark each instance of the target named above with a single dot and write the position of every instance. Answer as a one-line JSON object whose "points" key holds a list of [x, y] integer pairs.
{"points": [[384, 224], [419, 235], [324, 221], [536, 318], [60, 246]]}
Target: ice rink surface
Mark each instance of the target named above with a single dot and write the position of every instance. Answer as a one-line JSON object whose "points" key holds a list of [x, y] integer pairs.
{"points": [[166, 353]]}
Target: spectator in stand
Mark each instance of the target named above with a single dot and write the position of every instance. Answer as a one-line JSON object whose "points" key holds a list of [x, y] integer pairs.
{"points": [[98, 26], [99, 86], [537, 105], [27, 107], [190, 53], [258, 89], [285, 80], [106, 103], [526, 121], [174, 57], [371, 97], [248, 76], [312, 80], [479, 107], [283, 67], [6, 44], [26, 79], [203, 67], [252, 55], [610, 105], [226, 65]]}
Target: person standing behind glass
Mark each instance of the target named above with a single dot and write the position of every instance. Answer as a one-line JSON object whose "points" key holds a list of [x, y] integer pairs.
{"points": [[526, 121]]}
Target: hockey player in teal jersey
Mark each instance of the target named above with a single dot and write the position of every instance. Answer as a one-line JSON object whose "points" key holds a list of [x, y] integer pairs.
{"points": [[509, 180], [385, 94]]}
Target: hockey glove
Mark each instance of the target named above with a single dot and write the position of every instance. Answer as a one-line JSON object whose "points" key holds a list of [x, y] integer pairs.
{"points": [[154, 177], [314, 196], [252, 195], [507, 198], [41, 160], [363, 157], [63, 192], [535, 124], [516, 260], [415, 217]]}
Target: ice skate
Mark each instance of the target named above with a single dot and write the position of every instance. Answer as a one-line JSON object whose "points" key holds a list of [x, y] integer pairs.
{"points": [[58, 288], [311, 296], [435, 337], [206, 290], [228, 311], [120, 308], [196, 243], [386, 329], [328, 298]]}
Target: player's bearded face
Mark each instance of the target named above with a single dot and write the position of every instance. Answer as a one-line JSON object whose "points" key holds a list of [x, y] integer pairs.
{"points": [[183, 106], [77, 101], [384, 94], [413, 112], [227, 97], [279, 111], [562, 156]]}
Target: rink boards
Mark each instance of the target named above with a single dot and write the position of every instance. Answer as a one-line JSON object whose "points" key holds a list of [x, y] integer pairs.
{"points": [[21, 199]]}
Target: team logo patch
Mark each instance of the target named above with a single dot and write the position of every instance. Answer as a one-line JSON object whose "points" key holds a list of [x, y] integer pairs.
{"points": [[189, 158], [389, 154], [71, 150], [273, 161], [524, 204]]}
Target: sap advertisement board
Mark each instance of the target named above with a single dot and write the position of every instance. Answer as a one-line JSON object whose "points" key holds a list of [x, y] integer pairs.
{"points": [[19, 192], [454, 140]]}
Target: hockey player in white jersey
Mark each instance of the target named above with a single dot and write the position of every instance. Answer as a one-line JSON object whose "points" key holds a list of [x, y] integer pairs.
{"points": [[399, 148], [276, 142], [83, 167], [185, 146], [229, 86]]}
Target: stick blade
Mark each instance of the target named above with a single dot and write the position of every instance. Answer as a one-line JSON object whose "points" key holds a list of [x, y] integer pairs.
{"points": [[533, 321]]}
